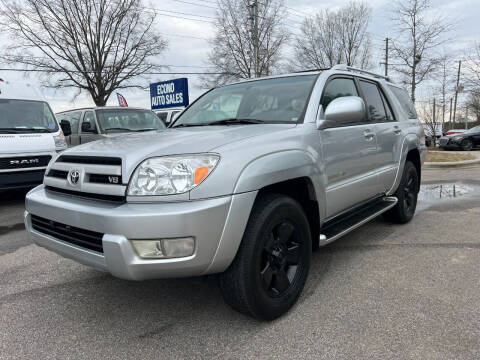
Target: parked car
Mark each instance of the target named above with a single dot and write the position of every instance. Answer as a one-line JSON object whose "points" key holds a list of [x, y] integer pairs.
{"points": [[466, 140], [90, 124], [246, 182], [455, 131], [168, 116], [29, 135]]}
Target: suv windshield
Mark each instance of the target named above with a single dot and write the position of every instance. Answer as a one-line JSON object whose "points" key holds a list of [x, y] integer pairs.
{"points": [[279, 100], [128, 120], [19, 116]]}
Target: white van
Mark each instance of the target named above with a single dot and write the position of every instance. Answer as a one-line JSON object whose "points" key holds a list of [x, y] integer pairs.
{"points": [[29, 135]]}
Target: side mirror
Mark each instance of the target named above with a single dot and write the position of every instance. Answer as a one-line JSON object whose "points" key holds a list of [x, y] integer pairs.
{"points": [[66, 128], [343, 111], [87, 128]]}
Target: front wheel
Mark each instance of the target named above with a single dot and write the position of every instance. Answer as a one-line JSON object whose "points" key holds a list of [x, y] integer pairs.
{"points": [[406, 194], [271, 266]]}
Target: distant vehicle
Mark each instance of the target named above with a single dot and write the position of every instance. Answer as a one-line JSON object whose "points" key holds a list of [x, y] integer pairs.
{"points": [[89, 124], [168, 116], [467, 140], [455, 131], [29, 135]]}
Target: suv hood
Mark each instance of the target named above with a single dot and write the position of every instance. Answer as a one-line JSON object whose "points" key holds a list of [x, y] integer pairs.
{"points": [[133, 148]]}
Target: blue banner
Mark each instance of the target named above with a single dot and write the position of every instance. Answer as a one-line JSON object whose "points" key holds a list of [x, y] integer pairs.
{"points": [[168, 94]]}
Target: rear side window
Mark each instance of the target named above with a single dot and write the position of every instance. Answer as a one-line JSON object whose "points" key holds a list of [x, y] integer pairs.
{"points": [[338, 87], [374, 102], [162, 116], [405, 101]]}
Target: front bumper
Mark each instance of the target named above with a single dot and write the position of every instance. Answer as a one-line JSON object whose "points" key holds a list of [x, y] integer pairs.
{"points": [[216, 224], [21, 179]]}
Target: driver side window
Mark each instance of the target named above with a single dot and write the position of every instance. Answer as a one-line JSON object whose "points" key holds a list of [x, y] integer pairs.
{"points": [[338, 87]]}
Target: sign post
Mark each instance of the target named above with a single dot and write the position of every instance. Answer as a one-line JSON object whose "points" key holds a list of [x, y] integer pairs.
{"points": [[168, 94]]}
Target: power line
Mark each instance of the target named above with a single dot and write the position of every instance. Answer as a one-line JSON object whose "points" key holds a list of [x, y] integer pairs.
{"points": [[195, 4], [145, 73]]}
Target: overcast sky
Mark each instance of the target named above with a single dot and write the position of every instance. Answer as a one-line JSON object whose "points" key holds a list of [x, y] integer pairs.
{"points": [[188, 54]]}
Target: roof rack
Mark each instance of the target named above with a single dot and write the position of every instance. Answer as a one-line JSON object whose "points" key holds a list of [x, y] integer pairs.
{"points": [[344, 67]]}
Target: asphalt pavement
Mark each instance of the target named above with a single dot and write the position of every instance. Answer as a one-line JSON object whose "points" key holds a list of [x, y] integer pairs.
{"points": [[382, 292]]}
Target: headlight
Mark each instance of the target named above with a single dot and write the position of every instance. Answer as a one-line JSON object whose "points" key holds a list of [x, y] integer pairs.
{"points": [[60, 143], [171, 174]]}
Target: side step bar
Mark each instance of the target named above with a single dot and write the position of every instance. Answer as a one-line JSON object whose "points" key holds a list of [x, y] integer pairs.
{"points": [[342, 226]]}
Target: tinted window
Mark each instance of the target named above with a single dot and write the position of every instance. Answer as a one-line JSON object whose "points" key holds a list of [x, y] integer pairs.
{"points": [[405, 101], [338, 88], [373, 101], [89, 117], [162, 116]]}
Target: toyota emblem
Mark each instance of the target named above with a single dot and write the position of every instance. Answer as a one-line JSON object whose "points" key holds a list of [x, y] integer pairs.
{"points": [[73, 177]]}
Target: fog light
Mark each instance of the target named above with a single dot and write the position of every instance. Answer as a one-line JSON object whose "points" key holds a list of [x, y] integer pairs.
{"points": [[164, 248], [178, 247]]}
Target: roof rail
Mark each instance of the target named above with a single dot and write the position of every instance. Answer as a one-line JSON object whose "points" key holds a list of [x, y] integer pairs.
{"points": [[344, 67]]}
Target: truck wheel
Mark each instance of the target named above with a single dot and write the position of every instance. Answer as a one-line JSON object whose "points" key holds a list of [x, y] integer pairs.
{"points": [[466, 145], [406, 194], [271, 266]]}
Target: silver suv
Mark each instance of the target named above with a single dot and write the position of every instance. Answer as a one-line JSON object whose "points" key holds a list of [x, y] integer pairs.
{"points": [[246, 182]]}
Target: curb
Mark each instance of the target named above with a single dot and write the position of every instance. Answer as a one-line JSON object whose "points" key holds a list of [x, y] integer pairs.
{"points": [[450, 164]]}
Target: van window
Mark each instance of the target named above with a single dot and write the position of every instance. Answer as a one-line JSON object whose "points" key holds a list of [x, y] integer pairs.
{"points": [[405, 101], [73, 118], [26, 116]]}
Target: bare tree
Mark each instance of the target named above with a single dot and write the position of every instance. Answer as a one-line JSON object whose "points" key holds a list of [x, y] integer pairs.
{"points": [[472, 68], [334, 37], [419, 33], [445, 80], [431, 116], [233, 52], [96, 46], [473, 103]]}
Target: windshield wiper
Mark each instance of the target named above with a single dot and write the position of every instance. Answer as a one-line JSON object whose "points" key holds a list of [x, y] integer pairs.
{"points": [[20, 130], [232, 121], [118, 128], [147, 129]]}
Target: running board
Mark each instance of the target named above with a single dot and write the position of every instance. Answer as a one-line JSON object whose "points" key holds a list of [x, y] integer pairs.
{"points": [[346, 223]]}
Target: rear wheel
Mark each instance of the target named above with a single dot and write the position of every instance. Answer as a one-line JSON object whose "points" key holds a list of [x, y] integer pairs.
{"points": [[466, 145], [272, 262], [406, 194]]}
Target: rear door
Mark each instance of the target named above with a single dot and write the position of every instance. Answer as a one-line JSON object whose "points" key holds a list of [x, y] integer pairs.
{"points": [[349, 154], [387, 129]]}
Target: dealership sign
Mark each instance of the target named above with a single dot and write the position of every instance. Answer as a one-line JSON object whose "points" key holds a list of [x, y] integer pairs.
{"points": [[167, 94]]}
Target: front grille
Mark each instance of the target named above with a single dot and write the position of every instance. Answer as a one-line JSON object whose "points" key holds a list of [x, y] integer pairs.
{"points": [[443, 141], [87, 239], [86, 195], [17, 179], [92, 160], [22, 162], [58, 173]]}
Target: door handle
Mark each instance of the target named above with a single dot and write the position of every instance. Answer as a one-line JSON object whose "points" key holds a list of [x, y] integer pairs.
{"points": [[369, 134], [397, 130]]}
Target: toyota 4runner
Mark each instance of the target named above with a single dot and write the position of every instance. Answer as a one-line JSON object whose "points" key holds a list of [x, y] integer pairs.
{"points": [[246, 182]]}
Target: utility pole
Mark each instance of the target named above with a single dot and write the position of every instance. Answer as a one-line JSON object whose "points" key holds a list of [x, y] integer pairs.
{"points": [[450, 113], [386, 56], [456, 90], [434, 135], [254, 23]]}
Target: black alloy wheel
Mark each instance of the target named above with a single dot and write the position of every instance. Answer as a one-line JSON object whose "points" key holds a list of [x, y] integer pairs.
{"points": [[271, 266], [281, 258], [407, 194]]}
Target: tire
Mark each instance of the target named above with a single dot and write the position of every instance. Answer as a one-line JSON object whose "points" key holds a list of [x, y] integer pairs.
{"points": [[466, 145], [271, 266], [406, 194]]}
